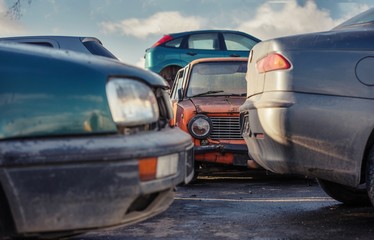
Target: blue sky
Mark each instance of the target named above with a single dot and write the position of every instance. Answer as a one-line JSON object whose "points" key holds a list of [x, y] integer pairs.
{"points": [[128, 27]]}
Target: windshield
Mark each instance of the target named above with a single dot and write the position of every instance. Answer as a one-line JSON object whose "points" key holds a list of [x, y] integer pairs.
{"points": [[365, 17], [218, 78]]}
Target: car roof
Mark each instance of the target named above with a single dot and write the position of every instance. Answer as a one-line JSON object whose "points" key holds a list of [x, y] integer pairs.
{"points": [[53, 37], [44, 52], [205, 31], [74, 43], [64, 42], [219, 59], [178, 34], [105, 66]]}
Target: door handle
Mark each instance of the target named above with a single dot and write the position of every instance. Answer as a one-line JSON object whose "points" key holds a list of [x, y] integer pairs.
{"points": [[234, 55], [191, 53]]}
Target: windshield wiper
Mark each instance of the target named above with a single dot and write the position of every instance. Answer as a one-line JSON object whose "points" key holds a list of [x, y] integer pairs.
{"points": [[237, 94], [207, 93]]}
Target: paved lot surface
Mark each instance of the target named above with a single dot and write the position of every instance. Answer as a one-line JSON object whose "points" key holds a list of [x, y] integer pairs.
{"points": [[250, 206]]}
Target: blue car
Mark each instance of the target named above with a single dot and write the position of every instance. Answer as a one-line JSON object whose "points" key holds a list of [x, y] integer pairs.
{"points": [[174, 51]]}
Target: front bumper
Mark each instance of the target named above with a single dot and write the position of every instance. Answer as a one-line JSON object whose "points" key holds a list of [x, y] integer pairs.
{"points": [[78, 183], [223, 153], [307, 134], [222, 148]]}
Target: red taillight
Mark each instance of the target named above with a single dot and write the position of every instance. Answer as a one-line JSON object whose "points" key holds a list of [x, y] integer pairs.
{"points": [[164, 39], [271, 62]]}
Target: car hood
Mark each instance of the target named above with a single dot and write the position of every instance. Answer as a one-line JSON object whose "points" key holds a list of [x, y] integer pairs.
{"points": [[45, 92], [217, 104]]}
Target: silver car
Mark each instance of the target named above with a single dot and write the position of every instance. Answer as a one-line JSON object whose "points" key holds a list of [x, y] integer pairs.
{"points": [[310, 110], [88, 45]]}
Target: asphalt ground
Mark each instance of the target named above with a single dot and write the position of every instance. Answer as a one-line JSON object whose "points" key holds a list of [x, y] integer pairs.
{"points": [[250, 206]]}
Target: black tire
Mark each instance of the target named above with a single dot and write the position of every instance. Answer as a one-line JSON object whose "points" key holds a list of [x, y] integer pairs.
{"points": [[195, 176], [196, 173], [45, 236], [347, 195], [6, 221], [370, 175]]}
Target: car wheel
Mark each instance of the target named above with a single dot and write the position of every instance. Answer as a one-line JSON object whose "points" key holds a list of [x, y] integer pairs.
{"points": [[169, 74], [6, 222], [370, 175], [344, 194]]}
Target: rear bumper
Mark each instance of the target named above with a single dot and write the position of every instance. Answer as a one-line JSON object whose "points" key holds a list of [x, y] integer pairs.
{"points": [[308, 134], [78, 183]]}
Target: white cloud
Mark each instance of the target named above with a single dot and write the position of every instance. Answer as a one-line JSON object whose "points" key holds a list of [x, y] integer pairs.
{"points": [[274, 18], [290, 18], [140, 63], [157, 24], [8, 27]]}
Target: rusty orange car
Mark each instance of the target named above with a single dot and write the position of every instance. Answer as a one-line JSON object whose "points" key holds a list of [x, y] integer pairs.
{"points": [[206, 96]]}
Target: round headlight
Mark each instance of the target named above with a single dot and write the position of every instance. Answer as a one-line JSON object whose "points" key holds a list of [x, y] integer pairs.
{"points": [[200, 126], [131, 102]]}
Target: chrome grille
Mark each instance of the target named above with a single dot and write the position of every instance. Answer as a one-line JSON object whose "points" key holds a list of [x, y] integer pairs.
{"points": [[225, 128]]}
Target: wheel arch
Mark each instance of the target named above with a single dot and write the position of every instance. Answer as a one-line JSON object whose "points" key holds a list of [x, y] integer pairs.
{"points": [[174, 65], [369, 144], [169, 72]]}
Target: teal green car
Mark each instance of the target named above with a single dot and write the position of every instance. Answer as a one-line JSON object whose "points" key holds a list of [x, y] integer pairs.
{"points": [[85, 143], [174, 51]]}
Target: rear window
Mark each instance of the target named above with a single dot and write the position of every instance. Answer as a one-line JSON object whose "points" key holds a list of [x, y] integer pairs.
{"points": [[98, 49], [363, 18], [236, 42], [174, 43]]}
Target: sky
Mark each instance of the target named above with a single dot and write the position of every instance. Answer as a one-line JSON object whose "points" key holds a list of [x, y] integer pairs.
{"points": [[128, 27]]}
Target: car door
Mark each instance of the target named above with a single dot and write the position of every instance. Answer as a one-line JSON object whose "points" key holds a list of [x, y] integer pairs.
{"points": [[201, 45], [237, 45], [177, 93], [178, 85]]}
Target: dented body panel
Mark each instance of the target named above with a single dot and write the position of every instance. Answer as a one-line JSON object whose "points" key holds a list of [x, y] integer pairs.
{"points": [[316, 117], [85, 182]]}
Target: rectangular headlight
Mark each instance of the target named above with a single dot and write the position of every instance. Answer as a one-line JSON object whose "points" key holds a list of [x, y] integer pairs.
{"points": [[131, 102], [167, 165]]}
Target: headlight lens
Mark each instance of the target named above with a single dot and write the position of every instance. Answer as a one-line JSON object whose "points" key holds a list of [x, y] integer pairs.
{"points": [[200, 126], [131, 102]]}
